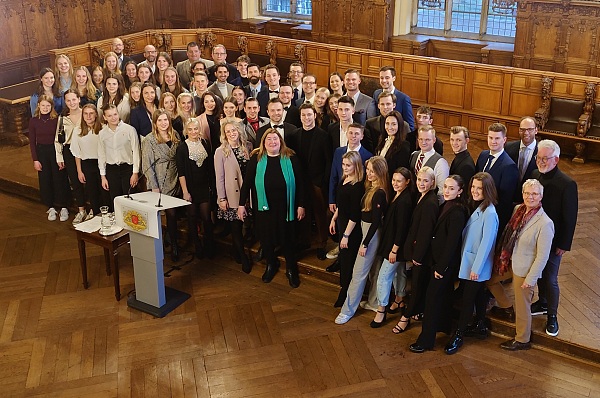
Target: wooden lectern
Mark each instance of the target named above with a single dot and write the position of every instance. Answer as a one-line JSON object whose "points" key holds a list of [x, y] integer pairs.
{"points": [[140, 214]]}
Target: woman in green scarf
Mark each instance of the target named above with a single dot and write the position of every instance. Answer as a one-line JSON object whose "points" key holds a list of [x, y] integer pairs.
{"points": [[273, 175]]}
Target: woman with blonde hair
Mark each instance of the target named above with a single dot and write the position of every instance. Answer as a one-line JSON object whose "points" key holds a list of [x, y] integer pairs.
{"points": [[98, 77], [111, 64], [231, 159], [374, 204], [274, 180], [159, 149], [52, 181], [63, 70], [195, 169], [135, 94], [84, 147], [350, 191], [168, 102], [83, 84], [321, 96], [185, 111]]}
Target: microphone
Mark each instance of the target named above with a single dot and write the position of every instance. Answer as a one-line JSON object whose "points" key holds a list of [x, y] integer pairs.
{"points": [[128, 196], [162, 185]]}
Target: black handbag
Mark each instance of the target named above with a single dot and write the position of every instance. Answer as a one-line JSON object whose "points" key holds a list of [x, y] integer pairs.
{"points": [[61, 131]]}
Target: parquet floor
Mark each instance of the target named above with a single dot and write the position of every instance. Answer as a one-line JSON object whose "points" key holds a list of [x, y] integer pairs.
{"points": [[236, 336]]}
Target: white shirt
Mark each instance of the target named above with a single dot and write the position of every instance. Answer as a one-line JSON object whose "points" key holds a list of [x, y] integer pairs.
{"points": [[441, 171], [343, 136], [69, 126], [118, 147], [85, 147], [123, 108], [274, 95], [279, 129], [299, 88], [353, 150], [310, 100]]}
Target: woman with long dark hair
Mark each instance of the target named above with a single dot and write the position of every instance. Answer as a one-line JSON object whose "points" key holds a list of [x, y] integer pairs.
{"points": [[171, 83], [445, 253], [393, 145], [374, 204], [393, 237], [114, 94], [84, 147], [479, 239], [141, 116], [210, 114], [48, 87], [52, 181], [130, 74], [350, 192], [195, 168], [159, 149]]}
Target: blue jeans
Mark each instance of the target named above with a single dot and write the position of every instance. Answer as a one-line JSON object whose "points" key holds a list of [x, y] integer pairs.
{"points": [[389, 273]]}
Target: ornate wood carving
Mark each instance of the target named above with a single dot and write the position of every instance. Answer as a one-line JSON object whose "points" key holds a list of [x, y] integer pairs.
{"points": [[211, 41], [585, 120], [541, 115], [128, 46], [162, 42], [300, 54], [97, 54], [127, 16], [242, 42], [271, 50]]}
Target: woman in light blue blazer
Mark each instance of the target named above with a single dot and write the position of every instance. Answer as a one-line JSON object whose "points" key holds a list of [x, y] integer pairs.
{"points": [[479, 239]]}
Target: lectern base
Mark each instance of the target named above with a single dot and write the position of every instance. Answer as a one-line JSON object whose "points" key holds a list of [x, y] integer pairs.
{"points": [[174, 299]]}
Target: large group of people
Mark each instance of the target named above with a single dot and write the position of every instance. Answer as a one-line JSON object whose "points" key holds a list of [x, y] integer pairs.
{"points": [[295, 165]]}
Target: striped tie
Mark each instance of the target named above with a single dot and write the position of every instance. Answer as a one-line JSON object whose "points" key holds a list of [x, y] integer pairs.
{"points": [[419, 163]]}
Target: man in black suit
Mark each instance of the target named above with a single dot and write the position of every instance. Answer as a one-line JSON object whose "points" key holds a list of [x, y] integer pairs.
{"points": [[523, 153], [291, 114], [462, 164], [375, 126], [315, 154], [295, 78], [286, 130], [309, 86], [219, 54], [272, 77], [502, 169], [424, 118], [255, 85], [560, 202], [337, 131]]}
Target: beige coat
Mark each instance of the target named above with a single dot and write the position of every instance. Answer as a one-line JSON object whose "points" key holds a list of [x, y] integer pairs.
{"points": [[229, 178]]}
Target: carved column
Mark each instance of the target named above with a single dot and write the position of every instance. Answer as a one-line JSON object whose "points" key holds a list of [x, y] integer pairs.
{"points": [[13, 123]]}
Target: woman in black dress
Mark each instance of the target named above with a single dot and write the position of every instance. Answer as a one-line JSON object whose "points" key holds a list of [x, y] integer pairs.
{"points": [[393, 145], [417, 246], [445, 252], [274, 177], [195, 168], [350, 191]]}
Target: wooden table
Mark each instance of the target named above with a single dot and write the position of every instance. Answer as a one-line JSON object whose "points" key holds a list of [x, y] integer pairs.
{"points": [[110, 244]]}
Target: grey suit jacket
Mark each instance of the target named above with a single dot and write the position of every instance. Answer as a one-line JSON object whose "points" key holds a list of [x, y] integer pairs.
{"points": [[364, 109], [215, 90]]}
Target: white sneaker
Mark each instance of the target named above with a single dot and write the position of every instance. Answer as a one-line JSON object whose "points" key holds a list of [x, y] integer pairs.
{"points": [[89, 216], [51, 214], [79, 217], [64, 214], [341, 319], [333, 253]]}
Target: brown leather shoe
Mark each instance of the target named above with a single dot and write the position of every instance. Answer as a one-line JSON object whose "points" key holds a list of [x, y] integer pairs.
{"points": [[514, 345]]}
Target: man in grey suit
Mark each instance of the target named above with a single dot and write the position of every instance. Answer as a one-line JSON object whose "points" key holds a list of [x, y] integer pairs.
{"points": [[184, 69], [221, 87], [364, 107]]}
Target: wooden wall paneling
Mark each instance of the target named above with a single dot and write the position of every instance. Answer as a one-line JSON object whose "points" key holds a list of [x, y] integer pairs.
{"points": [[71, 22], [414, 79], [102, 21], [15, 49], [524, 94], [456, 49], [486, 91], [138, 15], [42, 27], [219, 11], [450, 85]]}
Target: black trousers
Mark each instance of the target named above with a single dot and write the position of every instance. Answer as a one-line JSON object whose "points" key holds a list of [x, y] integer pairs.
{"points": [[288, 246], [346, 259], [118, 176], [76, 185], [438, 309], [473, 295], [419, 283], [93, 185], [53, 182]]}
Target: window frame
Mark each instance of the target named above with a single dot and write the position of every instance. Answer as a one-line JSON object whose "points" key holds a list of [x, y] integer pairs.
{"points": [[292, 15], [448, 32]]}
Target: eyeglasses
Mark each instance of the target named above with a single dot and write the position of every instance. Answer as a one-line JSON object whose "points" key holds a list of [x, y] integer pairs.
{"points": [[532, 194], [295, 72], [527, 130], [219, 54], [544, 159]]}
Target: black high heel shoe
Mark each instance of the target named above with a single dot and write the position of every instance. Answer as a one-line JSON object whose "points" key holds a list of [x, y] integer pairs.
{"points": [[399, 308], [376, 325], [399, 329]]}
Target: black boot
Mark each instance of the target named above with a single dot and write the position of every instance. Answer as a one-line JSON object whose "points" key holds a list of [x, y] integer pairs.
{"points": [[455, 343], [478, 330], [270, 272], [246, 264], [292, 274]]}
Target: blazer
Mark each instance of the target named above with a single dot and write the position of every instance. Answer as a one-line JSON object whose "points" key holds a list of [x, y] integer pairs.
{"points": [[364, 109], [424, 219], [215, 90], [464, 166], [317, 160], [292, 116], [560, 202], [479, 240], [336, 168], [375, 129], [395, 225], [250, 133], [289, 135], [403, 105], [184, 70], [506, 177], [248, 91], [447, 238], [532, 249], [141, 121], [229, 178], [512, 149]]}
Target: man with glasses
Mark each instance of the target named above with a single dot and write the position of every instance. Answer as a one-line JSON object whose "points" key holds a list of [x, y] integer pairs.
{"points": [[560, 202], [309, 86], [503, 170], [295, 77], [523, 153], [219, 55], [150, 57]]}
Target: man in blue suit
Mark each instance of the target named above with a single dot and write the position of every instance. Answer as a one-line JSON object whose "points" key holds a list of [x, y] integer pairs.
{"points": [[387, 77], [523, 153], [502, 169]]}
